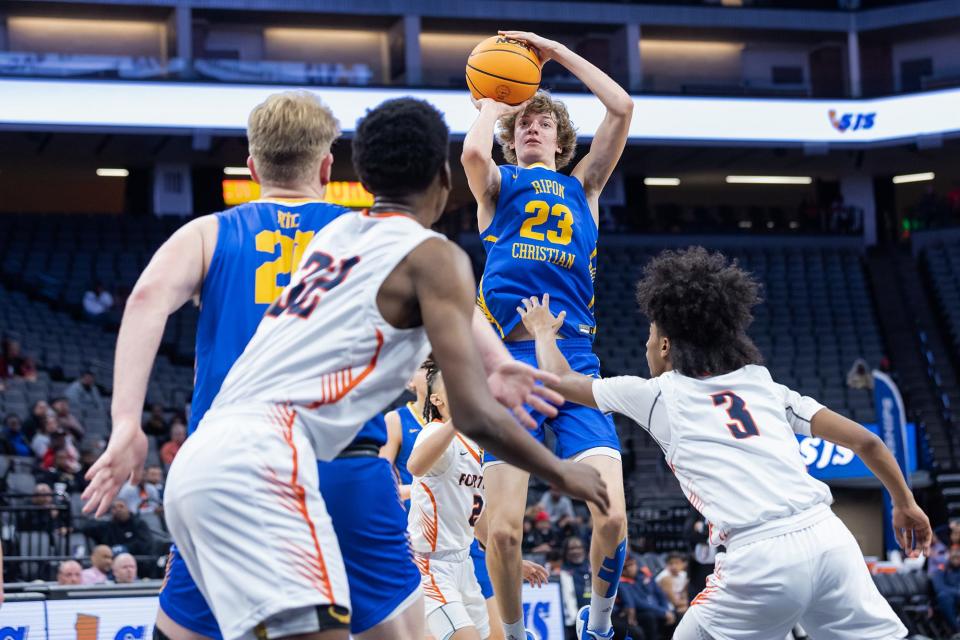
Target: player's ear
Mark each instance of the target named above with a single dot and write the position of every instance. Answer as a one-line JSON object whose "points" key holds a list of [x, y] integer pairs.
{"points": [[253, 170], [446, 177], [326, 167], [665, 347]]}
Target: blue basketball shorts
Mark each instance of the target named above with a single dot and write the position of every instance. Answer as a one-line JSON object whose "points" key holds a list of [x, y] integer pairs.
{"points": [[182, 601], [371, 526], [479, 557], [577, 428]]}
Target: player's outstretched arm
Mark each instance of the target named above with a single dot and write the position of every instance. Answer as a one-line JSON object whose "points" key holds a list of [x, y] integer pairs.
{"points": [[174, 275], [595, 168], [432, 443], [483, 176], [538, 320], [443, 285], [911, 525]]}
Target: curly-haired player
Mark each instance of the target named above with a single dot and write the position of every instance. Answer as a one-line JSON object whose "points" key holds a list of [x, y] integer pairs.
{"points": [[539, 229], [728, 432]]}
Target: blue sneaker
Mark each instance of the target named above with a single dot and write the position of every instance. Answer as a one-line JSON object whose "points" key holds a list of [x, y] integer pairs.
{"points": [[585, 634]]}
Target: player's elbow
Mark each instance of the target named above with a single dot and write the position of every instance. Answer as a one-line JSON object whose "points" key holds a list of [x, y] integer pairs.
{"points": [[417, 464], [474, 155], [868, 445], [622, 107]]}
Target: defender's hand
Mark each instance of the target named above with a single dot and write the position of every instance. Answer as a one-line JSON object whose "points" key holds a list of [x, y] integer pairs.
{"points": [[912, 528], [537, 318], [535, 574], [501, 109], [514, 384], [546, 49], [122, 462], [584, 482]]}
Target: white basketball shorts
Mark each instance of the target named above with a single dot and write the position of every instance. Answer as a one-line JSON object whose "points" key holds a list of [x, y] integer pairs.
{"points": [[243, 505], [452, 596], [815, 576]]}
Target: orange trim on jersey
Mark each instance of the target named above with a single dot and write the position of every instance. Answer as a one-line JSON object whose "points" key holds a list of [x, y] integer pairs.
{"points": [[166, 570], [431, 590], [431, 528], [314, 569], [334, 386], [475, 454]]}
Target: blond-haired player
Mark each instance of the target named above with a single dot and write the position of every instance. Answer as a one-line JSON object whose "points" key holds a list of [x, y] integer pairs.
{"points": [[446, 515], [539, 229], [728, 432]]}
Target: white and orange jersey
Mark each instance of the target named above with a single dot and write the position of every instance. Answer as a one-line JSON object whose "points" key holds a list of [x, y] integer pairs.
{"points": [[446, 503], [323, 351], [731, 442]]}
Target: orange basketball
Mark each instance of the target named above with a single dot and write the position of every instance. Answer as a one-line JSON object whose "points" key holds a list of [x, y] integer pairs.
{"points": [[503, 69]]}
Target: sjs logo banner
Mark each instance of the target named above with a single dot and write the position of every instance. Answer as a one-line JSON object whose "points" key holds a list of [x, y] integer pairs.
{"points": [[79, 619], [827, 461], [543, 610]]}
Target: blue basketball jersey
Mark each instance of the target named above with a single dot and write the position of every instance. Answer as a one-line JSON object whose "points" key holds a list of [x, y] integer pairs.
{"points": [[410, 426], [259, 244], [542, 239]]}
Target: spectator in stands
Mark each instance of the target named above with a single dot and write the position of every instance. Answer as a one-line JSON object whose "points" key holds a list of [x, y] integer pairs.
{"points": [[124, 569], [42, 439], [124, 530], [84, 392], [14, 443], [101, 566], [64, 470], [673, 582], [946, 586], [544, 536], [97, 302], [43, 516], [178, 433], [37, 419], [155, 423], [65, 419], [153, 475], [625, 621], [69, 573], [559, 508], [653, 607], [11, 360], [141, 498], [703, 554], [939, 554], [575, 563]]}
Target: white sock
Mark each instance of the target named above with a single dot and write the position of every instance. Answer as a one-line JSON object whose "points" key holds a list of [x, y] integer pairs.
{"points": [[600, 611], [515, 630]]}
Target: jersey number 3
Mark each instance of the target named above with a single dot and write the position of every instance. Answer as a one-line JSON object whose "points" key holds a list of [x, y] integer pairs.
{"points": [[541, 211], [741, 423]]}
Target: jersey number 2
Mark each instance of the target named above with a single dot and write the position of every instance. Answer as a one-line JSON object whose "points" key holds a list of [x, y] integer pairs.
{"points": [[477, 510], [741, 423], [541, 211]]}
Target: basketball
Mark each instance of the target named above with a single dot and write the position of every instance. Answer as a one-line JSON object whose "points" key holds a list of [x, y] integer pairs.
{"points": [[503, 69]]}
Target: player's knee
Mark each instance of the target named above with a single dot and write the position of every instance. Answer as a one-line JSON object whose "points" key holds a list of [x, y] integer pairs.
{"points": [[613, 526], [504, 537]]}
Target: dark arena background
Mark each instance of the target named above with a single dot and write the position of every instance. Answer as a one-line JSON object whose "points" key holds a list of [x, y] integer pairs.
{"points": [[818, 142]]}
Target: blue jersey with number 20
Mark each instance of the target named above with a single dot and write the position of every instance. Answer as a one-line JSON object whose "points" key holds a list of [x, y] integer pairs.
{"points": [[542, 239], [259, 244]]}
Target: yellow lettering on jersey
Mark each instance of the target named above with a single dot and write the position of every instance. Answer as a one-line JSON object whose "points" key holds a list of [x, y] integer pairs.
{"points": [[266, 287], [288, 220], [548, 186], [524, 251]]}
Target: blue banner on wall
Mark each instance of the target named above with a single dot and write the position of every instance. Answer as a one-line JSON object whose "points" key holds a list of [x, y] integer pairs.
{"points": [[893, 429], [828, 461]]}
